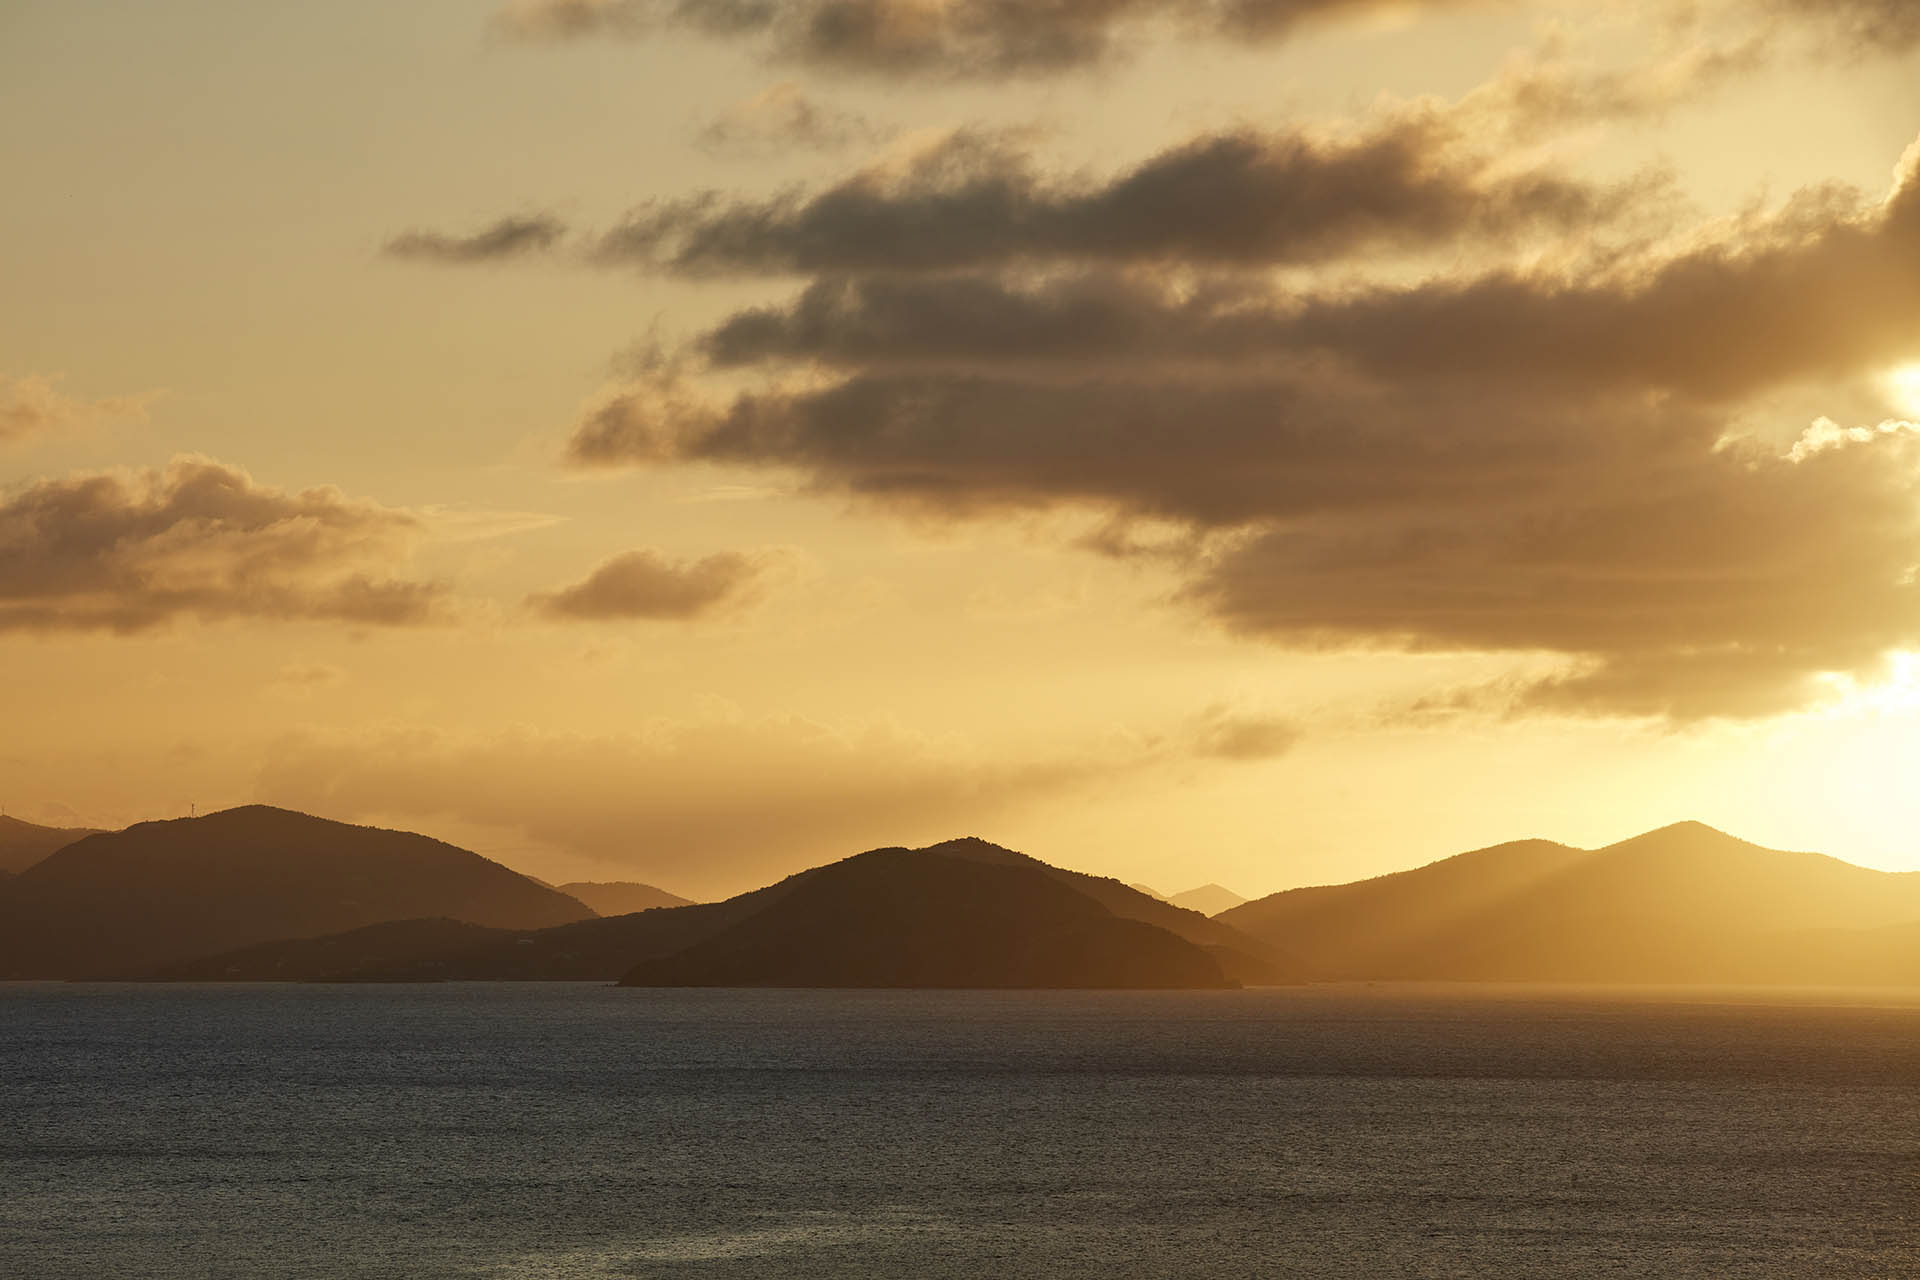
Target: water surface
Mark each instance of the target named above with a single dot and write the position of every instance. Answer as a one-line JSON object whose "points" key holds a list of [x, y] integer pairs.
{"points": [[584, 1131]]}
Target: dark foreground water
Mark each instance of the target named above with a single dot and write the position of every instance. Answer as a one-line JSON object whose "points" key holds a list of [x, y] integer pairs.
{"points": [[540, 1131]]}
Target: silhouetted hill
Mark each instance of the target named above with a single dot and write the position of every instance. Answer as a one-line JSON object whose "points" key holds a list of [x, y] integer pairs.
{"points": [[1253, 962], [124, 902], [927, 918], [1208, 900], [1683, 904], [621, 898], [22, 843], [1372, 926], [599, 949], [606, 949]]}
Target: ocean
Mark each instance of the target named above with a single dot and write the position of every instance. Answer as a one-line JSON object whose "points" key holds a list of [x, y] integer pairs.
{"points": [[522, 1131]]}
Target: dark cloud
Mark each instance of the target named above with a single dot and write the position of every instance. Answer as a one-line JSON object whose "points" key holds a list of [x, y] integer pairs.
{"points": [[953, 38], [645, 423], [1557, 463], [782, 118], [1822, 289], [1856, 26], [1097, 318], [989, 39], [647, 585], [1000, 38], [1716, 583], [1410, 183], [508, 238], [1218, 453], [130, 551], [1411, 178]]}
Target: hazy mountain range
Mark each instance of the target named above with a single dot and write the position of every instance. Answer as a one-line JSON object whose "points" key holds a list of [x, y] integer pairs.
{"points": [[264, 894], [1208, 899], [622, 897], [22, 843], [964, 913], [1685, 904]]}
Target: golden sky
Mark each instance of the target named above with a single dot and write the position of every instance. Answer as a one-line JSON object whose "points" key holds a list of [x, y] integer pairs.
{"points": [[1255, 441]]}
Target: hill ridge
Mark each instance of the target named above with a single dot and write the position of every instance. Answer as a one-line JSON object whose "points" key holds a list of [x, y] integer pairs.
{"points": [[120, 902], [607, 949]]}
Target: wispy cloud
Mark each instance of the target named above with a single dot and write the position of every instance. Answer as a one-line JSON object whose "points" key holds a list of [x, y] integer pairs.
{"points": [[783, 118], [31, 405], [513, 237], [647, 585], [1223, 733]]}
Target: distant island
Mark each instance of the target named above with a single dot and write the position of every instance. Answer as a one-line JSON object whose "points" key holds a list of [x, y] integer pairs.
{"points": [[622, 897], [261, 894], [1208, 899], [963, 914]]}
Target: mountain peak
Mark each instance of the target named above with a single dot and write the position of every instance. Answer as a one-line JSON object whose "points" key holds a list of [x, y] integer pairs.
{"points": [[898, 918], [243, 813], [1682, 836], [962, 846], [1208, 899], [1689, 827], [621, 897]]}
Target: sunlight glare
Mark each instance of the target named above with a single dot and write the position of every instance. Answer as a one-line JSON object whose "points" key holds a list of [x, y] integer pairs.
{"points": [[1903, 385], [1896, 695]]}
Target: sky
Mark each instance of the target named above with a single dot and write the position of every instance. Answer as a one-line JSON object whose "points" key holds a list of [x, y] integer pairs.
{"points": [[1263, 442]]}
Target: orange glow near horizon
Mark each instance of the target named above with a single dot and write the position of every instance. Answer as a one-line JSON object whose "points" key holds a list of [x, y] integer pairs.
{"points": [[1040, 429]]}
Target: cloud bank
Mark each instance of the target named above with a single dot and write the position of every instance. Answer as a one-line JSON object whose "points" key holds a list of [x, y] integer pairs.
{"points": [[1406, 382], [1503, 460], [128, 551]]}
